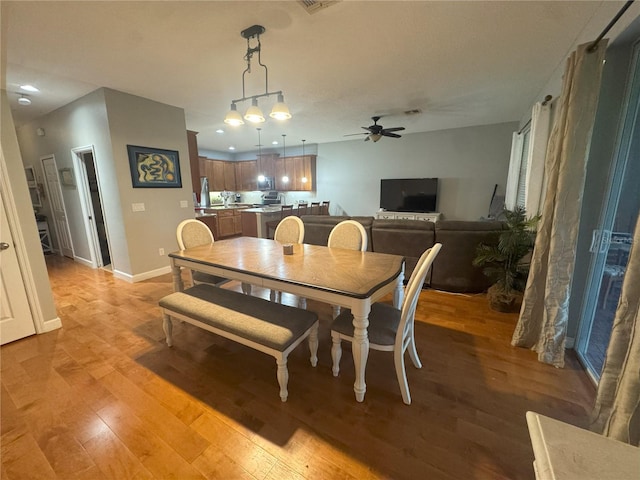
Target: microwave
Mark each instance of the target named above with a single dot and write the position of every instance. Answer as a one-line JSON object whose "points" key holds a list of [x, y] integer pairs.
{"points": [[269, 183]]}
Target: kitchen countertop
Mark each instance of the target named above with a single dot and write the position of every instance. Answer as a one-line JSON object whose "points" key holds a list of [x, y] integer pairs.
{"points": [[265, 209]]}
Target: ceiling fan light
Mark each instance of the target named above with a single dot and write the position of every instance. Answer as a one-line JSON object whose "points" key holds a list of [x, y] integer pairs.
{"points": [[254, 114], [375, 136], [233, 118], [280, 111]]}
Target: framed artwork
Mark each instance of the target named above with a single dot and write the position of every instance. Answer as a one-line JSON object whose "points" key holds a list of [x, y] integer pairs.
{"points": [[66, 177], [154, 167]]}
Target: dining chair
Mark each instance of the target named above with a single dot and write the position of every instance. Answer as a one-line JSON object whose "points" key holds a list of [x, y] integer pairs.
{"points": [[390, 329], [289, 230], [315, 208], [349, 235], [285, 211], [324, 207], [193, 233]]}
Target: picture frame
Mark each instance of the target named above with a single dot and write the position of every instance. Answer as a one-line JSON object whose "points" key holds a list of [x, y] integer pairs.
{"points": [[67, 178], [154, 167]]}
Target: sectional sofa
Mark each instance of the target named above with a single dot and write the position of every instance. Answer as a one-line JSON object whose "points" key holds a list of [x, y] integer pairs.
{"points": [[452, 270]]}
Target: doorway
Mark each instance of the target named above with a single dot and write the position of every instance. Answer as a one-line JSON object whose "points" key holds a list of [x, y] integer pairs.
{"points": [[56, 201], [90, 198], [612, 241]]}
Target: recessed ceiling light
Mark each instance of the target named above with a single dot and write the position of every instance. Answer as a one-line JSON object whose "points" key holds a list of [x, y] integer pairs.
{"points": [[275, 142], [232, 147], [29, 88], [219, 130], [24, 100]]}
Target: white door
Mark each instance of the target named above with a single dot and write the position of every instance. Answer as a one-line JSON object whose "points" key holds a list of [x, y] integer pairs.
{"points": [[57, 206], [15, 315]]}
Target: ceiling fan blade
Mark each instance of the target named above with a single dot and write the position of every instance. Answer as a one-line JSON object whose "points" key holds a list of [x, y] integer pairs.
{"points": [[394, 129], [367, 139], [394, 135], [352, 134]]}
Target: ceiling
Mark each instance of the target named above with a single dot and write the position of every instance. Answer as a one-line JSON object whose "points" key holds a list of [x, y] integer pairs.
{"points": [[458, 63]]}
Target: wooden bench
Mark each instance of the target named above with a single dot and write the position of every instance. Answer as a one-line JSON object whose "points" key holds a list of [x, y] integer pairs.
{"points": [[265, 326]]}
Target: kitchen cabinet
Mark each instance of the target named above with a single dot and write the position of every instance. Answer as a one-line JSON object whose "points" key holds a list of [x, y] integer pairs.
{"points": [[210, 221], [229, 176], [229, 221], [247, 175], [296, 168]]}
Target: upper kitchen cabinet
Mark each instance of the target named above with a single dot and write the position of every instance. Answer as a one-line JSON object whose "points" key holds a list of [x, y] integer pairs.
{"points": [[247, 175], [300, 171]]}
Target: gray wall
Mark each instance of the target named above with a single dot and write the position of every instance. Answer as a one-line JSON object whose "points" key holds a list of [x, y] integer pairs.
{"points": [[109, 120], [468, 161]]}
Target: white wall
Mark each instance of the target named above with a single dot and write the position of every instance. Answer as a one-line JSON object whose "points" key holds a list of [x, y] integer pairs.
{"points": [[468, 161]]}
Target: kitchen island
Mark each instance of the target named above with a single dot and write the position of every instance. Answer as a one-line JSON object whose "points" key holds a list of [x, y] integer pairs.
{"points": [[254, 220]]}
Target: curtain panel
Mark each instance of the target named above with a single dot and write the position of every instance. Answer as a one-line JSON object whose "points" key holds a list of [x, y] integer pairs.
{"points": [[617, 408], [544, 315]]}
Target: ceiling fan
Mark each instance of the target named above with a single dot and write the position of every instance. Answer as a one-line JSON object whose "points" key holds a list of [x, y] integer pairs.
{"points": [[376, 132]]}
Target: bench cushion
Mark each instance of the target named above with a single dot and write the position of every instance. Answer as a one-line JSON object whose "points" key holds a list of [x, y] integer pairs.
{"points": [[270, 324]]}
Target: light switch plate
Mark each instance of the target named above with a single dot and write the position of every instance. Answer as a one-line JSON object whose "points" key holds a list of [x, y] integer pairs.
{"points": [[184, 204], [137, 207]]}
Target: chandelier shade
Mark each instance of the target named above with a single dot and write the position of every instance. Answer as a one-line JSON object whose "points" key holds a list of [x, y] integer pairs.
{"points": [[233, 118], [254, 114]]}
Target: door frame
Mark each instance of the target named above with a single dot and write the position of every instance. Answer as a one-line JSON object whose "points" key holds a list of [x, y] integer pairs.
{"points": [[86, 203]]}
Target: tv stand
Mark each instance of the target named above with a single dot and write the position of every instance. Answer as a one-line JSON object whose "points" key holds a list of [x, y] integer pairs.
{"points": [[429, 217]]}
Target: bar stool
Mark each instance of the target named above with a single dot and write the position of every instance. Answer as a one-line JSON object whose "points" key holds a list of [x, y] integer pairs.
{"points": [[285, 211], [315, 208], [324, 207], [303, 208]]}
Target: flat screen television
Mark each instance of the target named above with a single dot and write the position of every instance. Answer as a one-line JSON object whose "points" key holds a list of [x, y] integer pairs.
{"points": [[409, 194]]}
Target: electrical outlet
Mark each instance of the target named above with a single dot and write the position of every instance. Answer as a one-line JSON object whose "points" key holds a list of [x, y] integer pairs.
{"points": [[161, 251], [137, 207], [184, 204]]}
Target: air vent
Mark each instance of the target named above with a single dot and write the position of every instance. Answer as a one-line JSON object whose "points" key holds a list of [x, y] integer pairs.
{"points": [[312, 6]]}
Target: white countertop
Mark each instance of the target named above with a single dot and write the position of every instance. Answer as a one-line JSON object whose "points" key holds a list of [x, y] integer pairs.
{"points": [[566, 452]]}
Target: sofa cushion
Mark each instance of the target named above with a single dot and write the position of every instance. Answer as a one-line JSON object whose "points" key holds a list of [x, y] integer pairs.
{"points": [[453, 270], [409, 238]]}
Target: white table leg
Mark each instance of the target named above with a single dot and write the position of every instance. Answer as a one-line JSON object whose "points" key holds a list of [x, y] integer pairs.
{"points": [[178, 285], [398, 293], [360, 348]]}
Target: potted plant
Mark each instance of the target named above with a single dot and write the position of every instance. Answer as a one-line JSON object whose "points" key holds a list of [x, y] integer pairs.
{"points": [[507, 262]]}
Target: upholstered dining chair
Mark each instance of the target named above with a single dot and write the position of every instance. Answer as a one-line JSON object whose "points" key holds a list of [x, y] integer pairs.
{"points": [[285, 211], [193, 233], [389, 329], [289, 230], [350, 235]]}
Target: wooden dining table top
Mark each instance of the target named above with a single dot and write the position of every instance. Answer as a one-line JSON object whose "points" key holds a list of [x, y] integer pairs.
{"points": [[346, 272]]}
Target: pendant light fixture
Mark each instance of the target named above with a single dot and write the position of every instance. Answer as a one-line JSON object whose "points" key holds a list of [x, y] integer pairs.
{"points": [[303, 179], [280, 111], [285, 178]]}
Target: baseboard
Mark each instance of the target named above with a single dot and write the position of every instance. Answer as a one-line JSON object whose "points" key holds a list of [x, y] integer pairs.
{"points": [[569, 342], [141, 276], [50, 325], [83, 261]]}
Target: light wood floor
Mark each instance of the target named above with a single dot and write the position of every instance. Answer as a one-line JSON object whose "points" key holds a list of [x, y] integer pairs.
{"points": [[104, 397]]}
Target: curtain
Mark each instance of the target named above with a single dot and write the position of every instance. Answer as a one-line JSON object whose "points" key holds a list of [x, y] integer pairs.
{"points": [[540, 121], [617, 408], [544, 314], [511, 193]]}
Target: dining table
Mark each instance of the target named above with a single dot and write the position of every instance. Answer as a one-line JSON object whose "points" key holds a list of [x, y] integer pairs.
{"points": [[346, 278]]}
